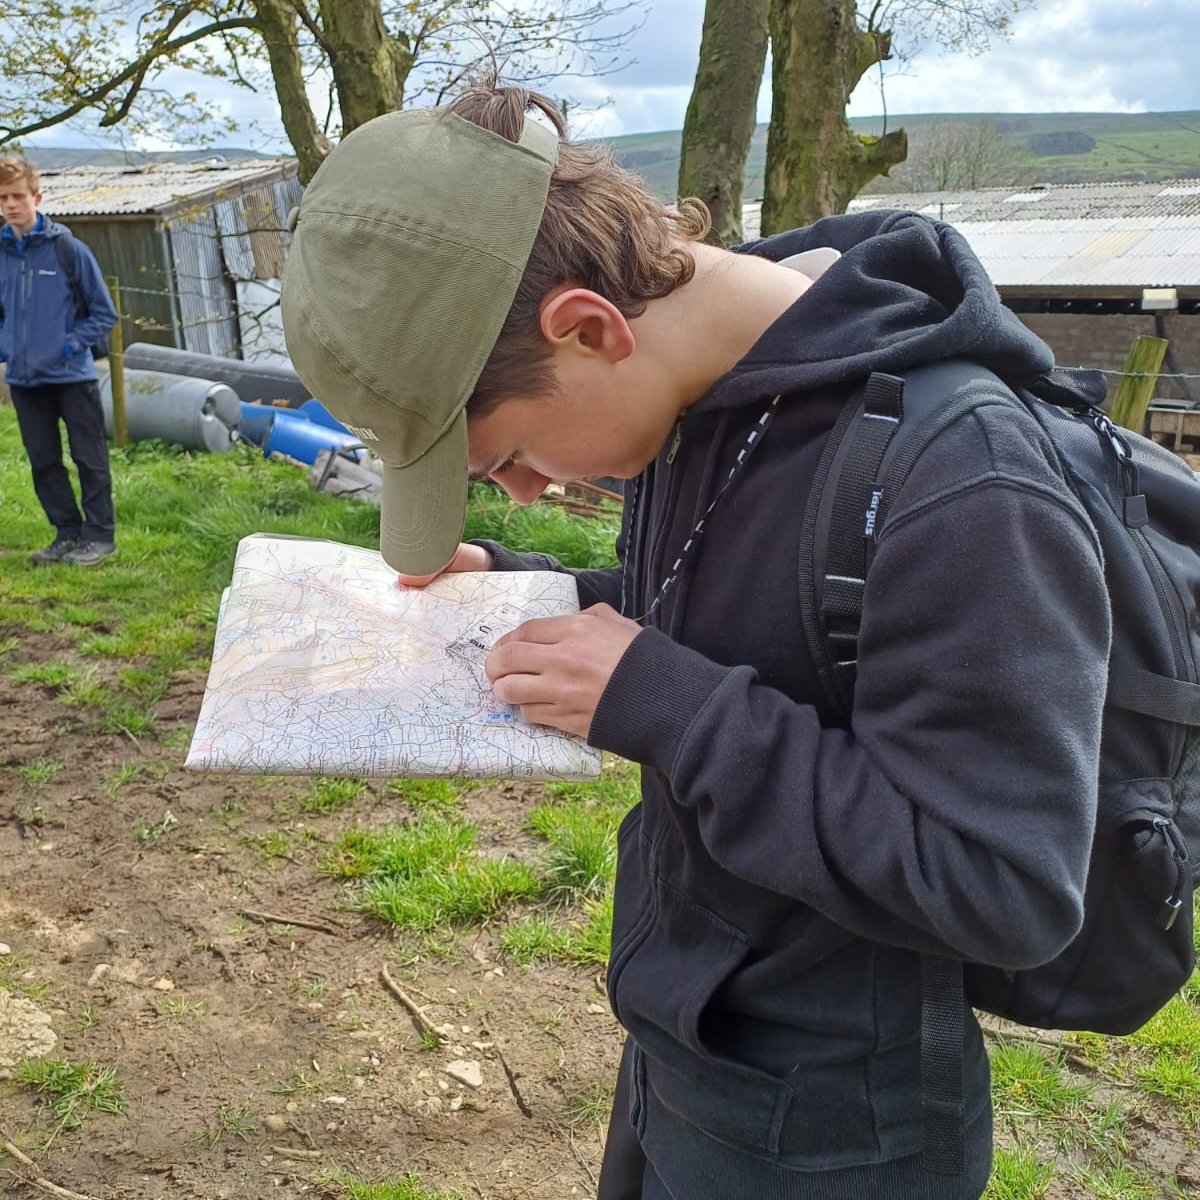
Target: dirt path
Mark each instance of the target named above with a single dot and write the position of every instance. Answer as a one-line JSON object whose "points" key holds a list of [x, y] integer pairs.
{"points": [[260, 1058]]}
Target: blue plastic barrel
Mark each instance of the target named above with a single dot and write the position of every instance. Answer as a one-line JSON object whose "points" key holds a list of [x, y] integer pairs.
{"points": [[303, 440], [316, 412], [257, 420]]}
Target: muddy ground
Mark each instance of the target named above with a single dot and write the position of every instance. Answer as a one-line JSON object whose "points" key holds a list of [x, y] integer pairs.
{"points": [[267, 1058], [261, 1058]]}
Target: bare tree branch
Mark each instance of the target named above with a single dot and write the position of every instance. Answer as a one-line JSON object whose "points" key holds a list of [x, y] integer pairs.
{"points": [[135, 71]]}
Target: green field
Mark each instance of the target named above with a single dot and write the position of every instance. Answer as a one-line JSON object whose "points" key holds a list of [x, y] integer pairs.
{"points": [[1124, 146]]}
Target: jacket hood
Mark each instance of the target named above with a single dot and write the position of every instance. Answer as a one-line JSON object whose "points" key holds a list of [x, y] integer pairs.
{"points": [[906, 291], [49, 229]]}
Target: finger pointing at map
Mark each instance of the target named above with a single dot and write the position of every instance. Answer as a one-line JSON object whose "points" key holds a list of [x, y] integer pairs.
{"points": [[556, 669]]}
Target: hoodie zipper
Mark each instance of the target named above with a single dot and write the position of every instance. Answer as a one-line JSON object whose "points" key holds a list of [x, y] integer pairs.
{"points": [[751, 443], [661, 528]]}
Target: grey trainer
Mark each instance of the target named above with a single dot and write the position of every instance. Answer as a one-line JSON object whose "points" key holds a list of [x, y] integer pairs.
{"points": [[88, 554], [55, 552]]}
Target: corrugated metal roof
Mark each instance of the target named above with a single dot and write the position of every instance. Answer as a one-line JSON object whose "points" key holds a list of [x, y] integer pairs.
{"points": [[1119, 235], [158, 188]]}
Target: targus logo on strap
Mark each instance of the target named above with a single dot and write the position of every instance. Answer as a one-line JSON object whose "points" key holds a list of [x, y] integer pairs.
{"points": [[873, 513], [364, 434]]}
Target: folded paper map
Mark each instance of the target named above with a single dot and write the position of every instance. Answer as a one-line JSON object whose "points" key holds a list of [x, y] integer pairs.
{"points": [[322, 664]]}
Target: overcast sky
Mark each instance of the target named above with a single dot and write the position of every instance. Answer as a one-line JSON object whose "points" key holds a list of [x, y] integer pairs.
{"points": [[1062, 56]]}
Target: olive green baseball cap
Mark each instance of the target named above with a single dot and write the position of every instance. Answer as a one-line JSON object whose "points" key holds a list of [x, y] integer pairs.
{"points": [[407, 251]]}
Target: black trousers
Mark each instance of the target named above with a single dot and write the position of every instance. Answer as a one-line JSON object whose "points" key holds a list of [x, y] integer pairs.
{"points": [[77, 406], [623, 1169]]}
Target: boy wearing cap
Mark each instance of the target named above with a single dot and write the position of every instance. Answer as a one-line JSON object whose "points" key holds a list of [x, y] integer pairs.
{"points": [[476, 296]]}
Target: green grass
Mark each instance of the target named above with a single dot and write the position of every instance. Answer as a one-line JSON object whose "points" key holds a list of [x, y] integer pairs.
{"points": [[13, 971], [583, 938], [1018, 1175], [1029, 1083], [50, 675], [580, 824], [125, 775], [181, 1009], [229, 1121], [72, 1092], [41, 770], [427, 875], [407, 1188], [331, 795], [427, 795]]}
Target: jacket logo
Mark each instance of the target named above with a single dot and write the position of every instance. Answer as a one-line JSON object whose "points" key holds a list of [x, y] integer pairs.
{"points": [[364, 433], [872, 513]]}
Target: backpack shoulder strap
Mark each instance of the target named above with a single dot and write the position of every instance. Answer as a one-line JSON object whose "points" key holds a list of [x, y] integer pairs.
{"points": [[64, 248], [882, 431]]}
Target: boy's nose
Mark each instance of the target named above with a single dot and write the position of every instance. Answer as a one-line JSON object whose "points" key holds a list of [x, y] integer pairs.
{"points": [[523, 485]]}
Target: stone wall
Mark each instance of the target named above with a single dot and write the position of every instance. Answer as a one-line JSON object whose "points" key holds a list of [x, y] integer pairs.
{"points": [[1081, 340]]}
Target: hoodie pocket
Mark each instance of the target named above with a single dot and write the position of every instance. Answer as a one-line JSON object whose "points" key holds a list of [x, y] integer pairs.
{"points": [[665, 977]]}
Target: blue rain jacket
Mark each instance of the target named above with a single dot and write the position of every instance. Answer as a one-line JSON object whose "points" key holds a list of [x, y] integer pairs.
{"points": [[43, 338]]}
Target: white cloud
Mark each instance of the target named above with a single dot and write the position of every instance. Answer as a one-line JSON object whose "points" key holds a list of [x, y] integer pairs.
{"points": [[1064, 55]]}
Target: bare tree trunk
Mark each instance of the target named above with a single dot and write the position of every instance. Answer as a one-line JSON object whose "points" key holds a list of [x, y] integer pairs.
{"points": [[816, 163], [370, 67], [277, 23], [721, 113]]}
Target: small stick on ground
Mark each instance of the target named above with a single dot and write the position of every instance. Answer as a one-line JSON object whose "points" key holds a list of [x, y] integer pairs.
{"points": [[526, 1111], [578, 1157], [423, 1024], [272, 919], [38, 1181], [292, 1152]]}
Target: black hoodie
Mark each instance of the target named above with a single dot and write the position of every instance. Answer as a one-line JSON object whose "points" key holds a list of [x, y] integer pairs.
{"points": [[779, 877]]}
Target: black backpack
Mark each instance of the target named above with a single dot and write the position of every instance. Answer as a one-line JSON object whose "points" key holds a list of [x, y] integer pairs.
{"points": [[1135, 950], [65, 249]]}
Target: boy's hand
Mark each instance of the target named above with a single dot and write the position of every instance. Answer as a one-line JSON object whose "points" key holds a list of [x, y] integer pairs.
{"points": [[556, 669], [466, 558]]}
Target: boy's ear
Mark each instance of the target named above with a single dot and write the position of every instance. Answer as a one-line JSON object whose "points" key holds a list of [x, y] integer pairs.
{"points": [[578, 319]]}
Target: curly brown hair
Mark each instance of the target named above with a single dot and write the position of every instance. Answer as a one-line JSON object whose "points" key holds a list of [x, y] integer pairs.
{"points": [[601, 230]]}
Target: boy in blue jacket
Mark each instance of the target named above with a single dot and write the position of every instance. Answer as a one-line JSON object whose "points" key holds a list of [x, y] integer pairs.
{"points": [[54, 307], [477, 295]]}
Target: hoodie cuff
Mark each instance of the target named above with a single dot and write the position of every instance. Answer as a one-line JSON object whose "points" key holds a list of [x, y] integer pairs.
{"points": [[652, 698], [504, 559]]}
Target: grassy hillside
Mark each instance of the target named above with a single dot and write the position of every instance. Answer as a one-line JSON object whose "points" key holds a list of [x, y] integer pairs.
{"points": [[1061, 147]]}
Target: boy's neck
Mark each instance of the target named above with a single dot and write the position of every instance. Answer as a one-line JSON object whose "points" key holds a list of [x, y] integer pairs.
{"points": [[703, 329], [20, 231]]}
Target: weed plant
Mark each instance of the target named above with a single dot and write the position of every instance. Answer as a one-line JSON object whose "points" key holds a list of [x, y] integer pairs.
{"points": [[73, 1091]]}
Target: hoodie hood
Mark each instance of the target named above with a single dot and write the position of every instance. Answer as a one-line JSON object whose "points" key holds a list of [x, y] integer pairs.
{"points": [[906, 291]]}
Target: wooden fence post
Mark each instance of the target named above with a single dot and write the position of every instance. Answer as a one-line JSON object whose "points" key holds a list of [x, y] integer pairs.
{"points": [[1137, 387], [116, 366]]}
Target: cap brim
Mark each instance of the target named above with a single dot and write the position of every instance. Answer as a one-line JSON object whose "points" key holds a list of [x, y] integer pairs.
{"points": [[424, 505]]}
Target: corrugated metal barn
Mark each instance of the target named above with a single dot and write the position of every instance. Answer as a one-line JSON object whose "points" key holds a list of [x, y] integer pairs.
{"points": [[196, 246], [1088, 267]]}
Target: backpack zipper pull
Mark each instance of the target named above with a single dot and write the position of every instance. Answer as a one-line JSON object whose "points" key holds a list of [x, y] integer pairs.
{"points": [[1133, 504], [1174, 902], [674, 450]]}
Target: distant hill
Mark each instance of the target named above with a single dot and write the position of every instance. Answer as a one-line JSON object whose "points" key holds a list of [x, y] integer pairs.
{"points": [[1055, 148], [61, 158], [1060, 147]]}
